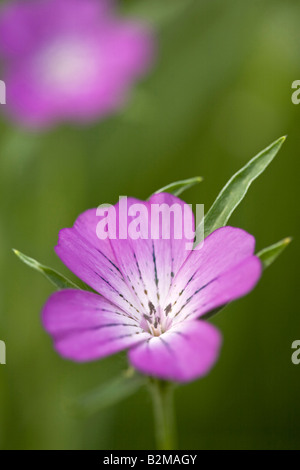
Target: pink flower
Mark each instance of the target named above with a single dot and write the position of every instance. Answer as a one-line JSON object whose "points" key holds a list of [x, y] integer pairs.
{"points": [[70, 60], [153, 293]]}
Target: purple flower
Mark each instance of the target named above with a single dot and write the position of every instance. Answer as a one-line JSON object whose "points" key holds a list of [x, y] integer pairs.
{"points": [[153, 294], [71, 60]]}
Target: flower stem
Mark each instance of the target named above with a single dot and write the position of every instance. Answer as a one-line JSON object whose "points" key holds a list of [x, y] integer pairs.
{"points": [[162, 397]]}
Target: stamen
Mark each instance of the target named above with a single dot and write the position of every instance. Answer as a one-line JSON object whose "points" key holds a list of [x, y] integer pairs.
{"points": [[157, 321], [151, 307], [168, 309]]}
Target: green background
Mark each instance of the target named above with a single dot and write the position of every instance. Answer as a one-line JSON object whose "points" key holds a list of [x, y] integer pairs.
{"points": [[219, 93]]}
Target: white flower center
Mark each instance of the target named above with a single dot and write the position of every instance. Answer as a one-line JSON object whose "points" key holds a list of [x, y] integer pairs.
{"points": [[156, 321], [68, 65]]}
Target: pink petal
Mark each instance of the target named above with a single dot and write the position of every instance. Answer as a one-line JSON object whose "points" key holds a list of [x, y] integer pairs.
{"points": [[221, 271], [185, 352], [229, 286], [22, 22], [85, 327], [148, 264], [93, 261]]}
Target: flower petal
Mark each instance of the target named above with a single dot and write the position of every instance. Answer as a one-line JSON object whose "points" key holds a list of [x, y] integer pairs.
{"points": [[185, 352], [22, 22], [86, 327], [148, 252], [72, 60], [229, 286], [223, 270], [93, 261]]}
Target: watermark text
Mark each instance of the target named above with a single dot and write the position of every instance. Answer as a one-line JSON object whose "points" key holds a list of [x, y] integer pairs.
{"points": [[2, 352], [296, 354], [151, 221], [296, 94], [2, 92]]}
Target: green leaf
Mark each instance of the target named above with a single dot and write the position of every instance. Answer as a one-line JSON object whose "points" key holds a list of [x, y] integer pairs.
{"points": [[107, 394], [53, 276], [236, 188], [179, 186], [268, 255]]}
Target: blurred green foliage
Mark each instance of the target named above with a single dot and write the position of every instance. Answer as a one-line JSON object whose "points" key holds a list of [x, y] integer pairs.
{"points": [[220, 92]]}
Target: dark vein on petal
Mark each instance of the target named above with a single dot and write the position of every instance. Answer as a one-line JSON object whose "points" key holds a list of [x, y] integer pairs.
{"points": [[191, 313], [62, 335], [183, 335], [167, 345], [121, 337], [124, 314], [189, 281], [110, 261], [155, 267], [141, 278], [109, 325], [195, 293], [134, 290], [172, 264], [138, 267], [155, 271], [115, 290], [107, 282]]}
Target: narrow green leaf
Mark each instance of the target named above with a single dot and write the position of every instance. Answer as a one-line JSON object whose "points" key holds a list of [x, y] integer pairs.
{"points": [[106, 395], [179, 186], [268, 255], [53, 276], [236, 188]]}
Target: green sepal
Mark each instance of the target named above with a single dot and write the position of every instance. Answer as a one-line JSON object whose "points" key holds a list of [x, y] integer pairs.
{"points": [[59, 281]]}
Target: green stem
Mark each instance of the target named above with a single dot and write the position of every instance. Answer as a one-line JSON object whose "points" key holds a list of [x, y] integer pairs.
{"points": [[162, 397]]}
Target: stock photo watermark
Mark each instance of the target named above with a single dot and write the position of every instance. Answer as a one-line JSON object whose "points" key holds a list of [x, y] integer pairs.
{"points": [[2, 92], [296, 95], [2, 352], [296, 354], [151, 221]]}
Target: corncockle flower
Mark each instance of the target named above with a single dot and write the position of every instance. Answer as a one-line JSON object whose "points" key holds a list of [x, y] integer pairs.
{"points": [[71, 60], [153, 293]]}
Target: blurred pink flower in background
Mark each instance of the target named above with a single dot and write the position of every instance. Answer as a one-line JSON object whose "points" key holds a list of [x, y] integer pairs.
{"points": [[70, 60]]}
